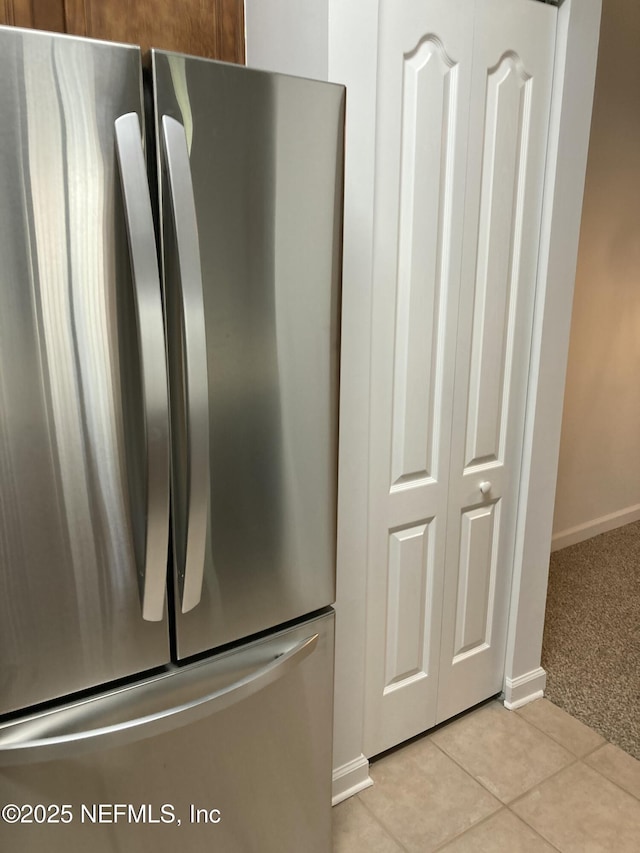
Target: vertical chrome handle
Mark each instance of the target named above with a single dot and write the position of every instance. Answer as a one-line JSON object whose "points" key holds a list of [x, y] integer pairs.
{"points": [[194, 358], [146, 282]]}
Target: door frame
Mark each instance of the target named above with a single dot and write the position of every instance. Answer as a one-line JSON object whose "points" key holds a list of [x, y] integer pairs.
{"points": [[349, 41], [571, 105]]}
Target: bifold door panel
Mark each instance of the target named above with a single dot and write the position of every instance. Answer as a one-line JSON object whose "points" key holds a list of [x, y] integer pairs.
{"points": [[510, 103], [424, 83]]}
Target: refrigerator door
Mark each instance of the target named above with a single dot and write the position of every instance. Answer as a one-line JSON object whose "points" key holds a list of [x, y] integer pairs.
{"points": [[83, 399], [230, 754], [251, 189]]}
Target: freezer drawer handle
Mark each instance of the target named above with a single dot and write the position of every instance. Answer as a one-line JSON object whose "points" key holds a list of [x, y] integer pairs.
{"points": [[60, 734], [152, 565], [195, 514]]}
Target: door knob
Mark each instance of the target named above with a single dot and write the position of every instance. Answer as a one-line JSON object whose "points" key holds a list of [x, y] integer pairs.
{"points": [[485, 487]]}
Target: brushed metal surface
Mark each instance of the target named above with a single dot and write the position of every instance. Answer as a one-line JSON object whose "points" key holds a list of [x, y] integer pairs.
{"points": [[266, 158], [192, 508], [152, 708], [264, 763], [153, 515], [69, 375]]}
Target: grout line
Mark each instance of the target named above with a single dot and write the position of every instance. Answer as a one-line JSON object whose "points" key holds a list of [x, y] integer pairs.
{"points": [[488, 818], [500, 804], [612, 781], [575, 760], [549, 735], [600, 746], [587, 754], [536, 831], [573, 763], [469, 774], [381, 824], [468, 829], [559, 742], [517, 799]]}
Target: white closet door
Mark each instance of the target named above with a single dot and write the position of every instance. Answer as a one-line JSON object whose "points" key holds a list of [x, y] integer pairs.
{"points": [[508, 125], [423, 90]]}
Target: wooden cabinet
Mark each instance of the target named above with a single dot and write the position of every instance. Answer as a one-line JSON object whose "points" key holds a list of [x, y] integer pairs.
{"points": [[211, 28], [464, 90], [35, 14]]}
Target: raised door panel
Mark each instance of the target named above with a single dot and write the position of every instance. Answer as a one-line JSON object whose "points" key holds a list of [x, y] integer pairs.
{"points": [[476, 580], [423, 91], [410, 575], [429, 86], [508, 124]]}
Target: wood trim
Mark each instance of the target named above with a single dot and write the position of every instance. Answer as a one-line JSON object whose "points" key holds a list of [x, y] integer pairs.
{"points": [[35, 14], [75, 14], [6, 13], [19, 13], [48, 15], [213, 29], [228, 26], [209, 28]]}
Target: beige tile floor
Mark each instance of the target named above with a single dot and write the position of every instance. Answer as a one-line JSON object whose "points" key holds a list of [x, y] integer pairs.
{"points": [[525, 781]]}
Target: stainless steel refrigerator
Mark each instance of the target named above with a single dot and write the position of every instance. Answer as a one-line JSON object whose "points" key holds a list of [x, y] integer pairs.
{"points": [[169, 315]]}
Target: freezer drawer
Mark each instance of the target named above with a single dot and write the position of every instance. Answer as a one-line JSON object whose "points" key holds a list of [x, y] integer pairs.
{"points": [[230, 754]]}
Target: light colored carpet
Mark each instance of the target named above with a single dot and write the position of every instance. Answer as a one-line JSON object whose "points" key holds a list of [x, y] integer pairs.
{"points": [[591, 648]]}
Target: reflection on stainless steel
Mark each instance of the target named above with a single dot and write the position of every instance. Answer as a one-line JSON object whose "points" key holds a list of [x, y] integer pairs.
{"points": [[267, 153], [147, 709], [64, 261], [45, 116], [250, 252], [264, 762], [177, 68], [191, 509], [154, 511], [307, 240]]}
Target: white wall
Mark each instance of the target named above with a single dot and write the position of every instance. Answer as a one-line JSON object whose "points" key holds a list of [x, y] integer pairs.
{"points": [[289, 36], [599, 472]]}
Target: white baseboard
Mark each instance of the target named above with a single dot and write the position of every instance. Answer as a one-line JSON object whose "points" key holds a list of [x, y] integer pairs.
{"points": [[350, 779], [524, 689], [573, 535]]}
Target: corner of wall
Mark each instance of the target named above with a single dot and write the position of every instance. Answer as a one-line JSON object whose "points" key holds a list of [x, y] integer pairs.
{"points": [[572, 102], [350, 779], [524, 689]]}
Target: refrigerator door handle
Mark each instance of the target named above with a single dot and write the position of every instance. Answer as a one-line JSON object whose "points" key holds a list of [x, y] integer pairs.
{"points": [[63, 734], [190, 564], [152, 564]]}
